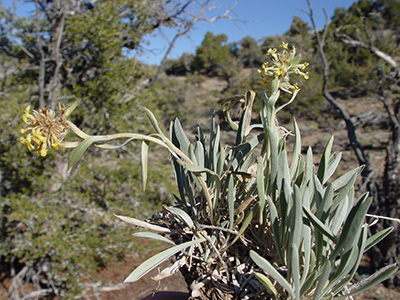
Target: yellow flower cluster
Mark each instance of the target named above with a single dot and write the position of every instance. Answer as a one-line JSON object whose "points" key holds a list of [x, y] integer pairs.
{"points": [[282, 65], [44, 129]]}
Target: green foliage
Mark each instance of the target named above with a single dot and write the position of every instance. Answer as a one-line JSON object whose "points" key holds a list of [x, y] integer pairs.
{"points": [[61, 224], [298, 27], [247, 52], [213, 56], [180, 66], [365, 21]]}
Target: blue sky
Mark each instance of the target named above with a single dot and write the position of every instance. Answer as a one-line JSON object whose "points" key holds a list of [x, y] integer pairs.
{"points": [[261, 18]]}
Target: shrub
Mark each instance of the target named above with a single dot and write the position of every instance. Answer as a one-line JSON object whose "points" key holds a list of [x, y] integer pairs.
{"points": [[247, 224]]}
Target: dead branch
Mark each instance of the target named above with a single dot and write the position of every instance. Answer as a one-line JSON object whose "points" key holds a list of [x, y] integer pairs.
{"points": [[356, 43], [356, 146], [186, 25]]}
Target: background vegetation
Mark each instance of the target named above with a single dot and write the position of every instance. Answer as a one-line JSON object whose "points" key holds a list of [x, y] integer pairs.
{"points": [[57, 228]]}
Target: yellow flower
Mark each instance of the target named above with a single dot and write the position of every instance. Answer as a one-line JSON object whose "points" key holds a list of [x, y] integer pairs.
{"points": [[282, 65], [44, 129]]}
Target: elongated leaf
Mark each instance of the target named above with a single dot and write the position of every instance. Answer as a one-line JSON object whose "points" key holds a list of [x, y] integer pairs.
{"points": [[183, 215], [158, 259], [295, 269], [242, 129], [332, 165], [181, 136], [309, 166], [344, 179], [374, 279], [261, 188], [142, 224], [153, 121], [353, 225], [377, 237], [273, 138], [347, 262], [325, 204], [319, 225], [296, 151], [308, 283], [270, 270], [231, 202], [197, 169], [199, 154], [82, 147], [323, 165], [326, 270], [345, 190], [266, 282], [346, 278], [245, 149], [283, 177], [144, 163], [295, 240], [338, 217], [152, 235], [245, 224]]}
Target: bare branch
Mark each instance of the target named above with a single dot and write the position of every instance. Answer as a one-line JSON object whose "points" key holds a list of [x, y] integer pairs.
{"points": [[356, 43], [357, 148], [42, 62], [186, 25]]}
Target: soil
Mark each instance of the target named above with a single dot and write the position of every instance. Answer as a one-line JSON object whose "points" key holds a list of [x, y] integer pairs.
{"points": [[116, 273]]}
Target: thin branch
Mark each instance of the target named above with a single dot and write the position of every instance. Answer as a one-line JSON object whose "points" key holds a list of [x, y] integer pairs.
{"points": [[355, 43], [186, 26], [357, 148]]}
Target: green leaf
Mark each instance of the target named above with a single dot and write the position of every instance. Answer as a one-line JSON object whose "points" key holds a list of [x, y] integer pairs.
{"points": [[309, 166], [296, 237], [323, 165], [245, 224], [353, 225], [270, 270], [273, 141], [152, 235], [153, 121], [319, 225], [231, 201], [242, 129], [296, 151], [347, 262], [266, 282], [199, 154], [143, 163], [82, 147], [344, 179], [244, 149], [183, 215], [261, 188], [326, 270], [308, 283], [158, 259], [184, 142], [72, 108], [377, 237], [345, 190], [332, 165], [338, 217]]}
